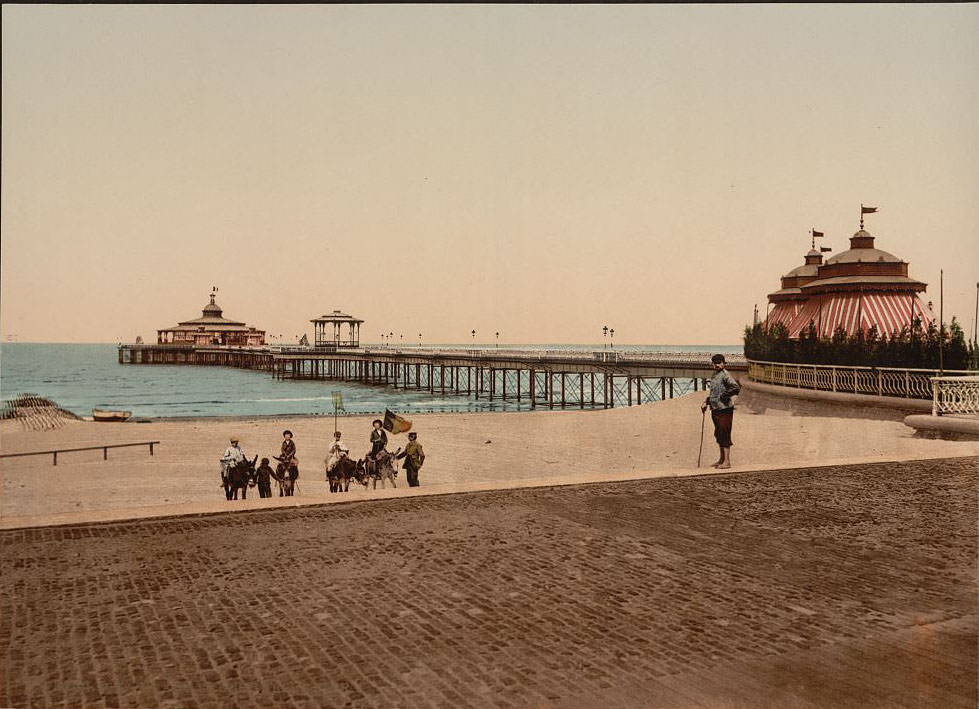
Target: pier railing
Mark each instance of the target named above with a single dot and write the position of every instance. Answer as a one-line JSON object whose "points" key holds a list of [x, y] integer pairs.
{"points": [[605, 355], [955, 395], [874, 381]]}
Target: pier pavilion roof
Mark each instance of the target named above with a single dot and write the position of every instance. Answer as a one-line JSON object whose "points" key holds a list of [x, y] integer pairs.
{"points": [[212, 327], [212, 315]]}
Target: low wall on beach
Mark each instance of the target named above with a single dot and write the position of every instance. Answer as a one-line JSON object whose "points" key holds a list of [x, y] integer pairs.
{"points": [[773, 399]]}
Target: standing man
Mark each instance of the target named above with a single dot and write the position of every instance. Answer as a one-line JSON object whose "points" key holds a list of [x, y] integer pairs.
{"points": [[722, 387], [414, 457]]}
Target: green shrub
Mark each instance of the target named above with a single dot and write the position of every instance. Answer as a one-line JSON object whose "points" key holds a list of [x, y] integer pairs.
{"points": [[911, 348]]}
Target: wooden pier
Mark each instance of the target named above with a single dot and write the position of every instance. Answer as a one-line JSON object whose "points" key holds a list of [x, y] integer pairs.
{"points": [[545, 378]]}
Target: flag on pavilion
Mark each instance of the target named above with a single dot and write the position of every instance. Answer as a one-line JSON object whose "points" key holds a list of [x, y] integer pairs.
{"points": [[817, 233], [867, 210], [824, 249], [395, 423]]}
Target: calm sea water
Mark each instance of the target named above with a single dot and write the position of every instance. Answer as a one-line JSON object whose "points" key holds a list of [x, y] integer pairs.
{"points": [[80, 377]]}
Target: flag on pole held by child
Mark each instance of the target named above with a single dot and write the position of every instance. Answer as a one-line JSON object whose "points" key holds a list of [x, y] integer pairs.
{"points": [[338, 401], [395, 423]]}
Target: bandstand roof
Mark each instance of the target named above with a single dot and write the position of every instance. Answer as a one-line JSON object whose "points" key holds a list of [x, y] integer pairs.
{"points": [[337, 317]]}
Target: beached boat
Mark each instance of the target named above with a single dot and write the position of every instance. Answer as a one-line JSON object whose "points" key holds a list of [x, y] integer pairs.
{"points": [[105, 415]]}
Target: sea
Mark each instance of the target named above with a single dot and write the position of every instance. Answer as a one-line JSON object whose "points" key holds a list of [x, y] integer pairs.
{"points": [[80, 377]]}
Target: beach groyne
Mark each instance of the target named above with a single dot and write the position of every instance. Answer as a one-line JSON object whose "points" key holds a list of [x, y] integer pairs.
{"points": [[35, 413]]}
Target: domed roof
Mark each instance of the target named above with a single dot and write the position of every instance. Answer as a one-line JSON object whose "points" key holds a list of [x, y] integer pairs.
{"points": [[806, 269], [862, 250], [864, 256]]}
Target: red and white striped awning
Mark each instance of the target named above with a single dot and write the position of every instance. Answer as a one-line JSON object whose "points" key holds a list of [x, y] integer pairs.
{"points": [[890, 312], [809, 312], [782, 313]]}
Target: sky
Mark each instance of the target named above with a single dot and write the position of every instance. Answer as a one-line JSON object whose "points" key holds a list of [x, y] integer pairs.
{"points": [[539, 171]]}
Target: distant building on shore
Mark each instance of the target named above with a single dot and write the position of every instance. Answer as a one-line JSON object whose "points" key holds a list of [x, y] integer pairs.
{"points": [[211, 329], [857, 289]]}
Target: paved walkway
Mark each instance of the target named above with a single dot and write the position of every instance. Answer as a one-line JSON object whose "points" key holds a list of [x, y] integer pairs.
{"points": [[831, 587]]}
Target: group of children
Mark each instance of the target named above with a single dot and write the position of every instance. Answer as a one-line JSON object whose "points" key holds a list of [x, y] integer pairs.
{"points": [[413, 454], [288, 471]]}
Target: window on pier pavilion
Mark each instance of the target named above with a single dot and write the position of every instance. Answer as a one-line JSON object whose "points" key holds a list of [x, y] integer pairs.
{"points": [[328, 331]]}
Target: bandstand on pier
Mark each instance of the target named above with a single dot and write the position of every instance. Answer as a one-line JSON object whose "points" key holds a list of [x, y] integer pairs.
{"points": [[545, 378]]}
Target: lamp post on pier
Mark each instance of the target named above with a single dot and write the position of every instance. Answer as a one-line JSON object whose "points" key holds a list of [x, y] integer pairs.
{"points": [[975, 318], [605, 337], [497, 340], [611, 338], [419, 339], [474, 339]]}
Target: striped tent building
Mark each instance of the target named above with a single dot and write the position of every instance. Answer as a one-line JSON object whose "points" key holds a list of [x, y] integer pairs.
{"points": [[859, 288]]}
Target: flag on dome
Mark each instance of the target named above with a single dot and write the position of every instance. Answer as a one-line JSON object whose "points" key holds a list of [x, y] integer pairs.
{"points": [[867, 210]]}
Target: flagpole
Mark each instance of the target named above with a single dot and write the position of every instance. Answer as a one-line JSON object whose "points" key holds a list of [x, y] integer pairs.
{"points": [[941, 322]]}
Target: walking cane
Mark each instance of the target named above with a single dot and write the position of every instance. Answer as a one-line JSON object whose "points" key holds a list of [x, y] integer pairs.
{"points": [[703, 419]]}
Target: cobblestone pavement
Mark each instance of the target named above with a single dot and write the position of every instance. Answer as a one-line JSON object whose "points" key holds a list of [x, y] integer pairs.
{"points": [[844, 586]]}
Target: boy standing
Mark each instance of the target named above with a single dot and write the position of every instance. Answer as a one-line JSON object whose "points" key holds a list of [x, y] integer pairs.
{"points": [[265, 474], [722, 387]]}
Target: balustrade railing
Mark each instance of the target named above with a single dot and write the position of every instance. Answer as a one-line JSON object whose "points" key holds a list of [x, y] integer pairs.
{"points": [[875, 381], [955, 395]]}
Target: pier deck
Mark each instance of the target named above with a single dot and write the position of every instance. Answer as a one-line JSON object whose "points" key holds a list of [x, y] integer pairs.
{"points": [[551, 378]]}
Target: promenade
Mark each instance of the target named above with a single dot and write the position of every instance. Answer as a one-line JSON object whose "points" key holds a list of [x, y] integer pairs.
{"points": [[844, 586]]}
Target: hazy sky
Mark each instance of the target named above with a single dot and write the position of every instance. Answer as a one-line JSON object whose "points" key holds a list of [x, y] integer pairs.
{"points": [[540, 171]]}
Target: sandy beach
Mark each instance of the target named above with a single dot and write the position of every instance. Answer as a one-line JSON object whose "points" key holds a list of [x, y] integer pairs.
{"points": [[464, 452]]}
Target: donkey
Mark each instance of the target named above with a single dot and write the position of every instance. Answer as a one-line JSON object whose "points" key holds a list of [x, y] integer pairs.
{"points": [[345, 470], [240, 476], [286, 477], [382, 468]]}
